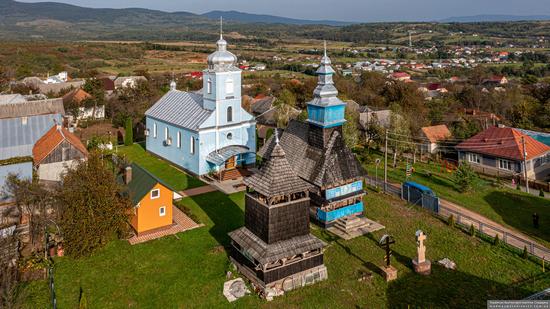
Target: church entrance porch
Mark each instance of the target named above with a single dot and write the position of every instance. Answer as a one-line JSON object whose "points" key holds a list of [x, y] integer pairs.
{"points": [[228, 167]]}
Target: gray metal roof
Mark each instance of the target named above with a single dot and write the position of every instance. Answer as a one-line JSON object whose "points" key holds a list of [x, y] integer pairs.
{"points": [[219, 156], [180, 108], [32, 108], [12, 98], [17, 138]]}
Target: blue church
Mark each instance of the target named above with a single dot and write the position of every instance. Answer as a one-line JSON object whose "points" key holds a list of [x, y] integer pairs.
{"points": [[207, 131]]}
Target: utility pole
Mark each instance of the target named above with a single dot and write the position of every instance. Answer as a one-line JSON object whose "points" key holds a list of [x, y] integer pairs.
{"points": [[525, 165], [386, 164]]}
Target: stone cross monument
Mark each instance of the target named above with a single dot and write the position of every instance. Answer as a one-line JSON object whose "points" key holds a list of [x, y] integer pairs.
{"points": [[421, 265], [420, 237]]}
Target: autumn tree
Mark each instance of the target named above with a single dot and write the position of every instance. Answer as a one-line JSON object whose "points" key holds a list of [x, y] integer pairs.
{"points": [[93, 208], [284, 106], [351, 128], [32, 200]]}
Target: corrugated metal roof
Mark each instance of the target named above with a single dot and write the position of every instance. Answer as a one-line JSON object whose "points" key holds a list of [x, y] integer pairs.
{"points": [[32, 108], [219, 156], [12, 98], [180, 108], [17, 139]]}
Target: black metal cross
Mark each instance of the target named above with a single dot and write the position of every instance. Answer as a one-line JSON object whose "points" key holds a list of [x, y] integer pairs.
{"points": [[385, 243]]}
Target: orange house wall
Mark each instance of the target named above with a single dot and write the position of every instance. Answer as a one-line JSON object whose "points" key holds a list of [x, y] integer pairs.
{"points": [[147, 215]]}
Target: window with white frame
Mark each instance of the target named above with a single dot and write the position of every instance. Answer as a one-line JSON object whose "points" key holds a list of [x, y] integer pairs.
{"points": [[155, 130], [505, 164], [229, 87], [155, 194], [209, 86], [166, 133], [178, 139], [162, 211], [474, 158], [192, 145]]}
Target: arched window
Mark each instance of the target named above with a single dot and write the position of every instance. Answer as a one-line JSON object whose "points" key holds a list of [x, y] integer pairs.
{"points": [[178, 142], [229, 136], [166, 133], [229, 114], [155, 130], [209, 86], [229, 86]]}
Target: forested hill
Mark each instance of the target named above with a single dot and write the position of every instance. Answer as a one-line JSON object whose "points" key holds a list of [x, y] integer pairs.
{"points": [[270, 19]]}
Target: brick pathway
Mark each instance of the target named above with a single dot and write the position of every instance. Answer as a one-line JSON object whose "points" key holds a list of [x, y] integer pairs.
{"points": [[197, 191], [182, 223]]}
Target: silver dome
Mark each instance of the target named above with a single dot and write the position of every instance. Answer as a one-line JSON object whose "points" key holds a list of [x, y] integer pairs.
{"points": [[221, 59]]}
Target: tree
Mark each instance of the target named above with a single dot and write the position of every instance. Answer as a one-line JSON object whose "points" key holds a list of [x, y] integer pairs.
{"points": [[351, 129], [32, 200], [464, 177], [374, 133], [93, 208], [284, 106], [129, 132]]}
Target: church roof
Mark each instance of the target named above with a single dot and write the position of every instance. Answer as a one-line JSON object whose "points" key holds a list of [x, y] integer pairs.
{"points": [[276, 176], [180, 108], [321, 167], [266, 253]]}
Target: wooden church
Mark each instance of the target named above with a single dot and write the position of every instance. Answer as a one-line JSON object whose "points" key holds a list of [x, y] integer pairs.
{"points": [[275, 249]]}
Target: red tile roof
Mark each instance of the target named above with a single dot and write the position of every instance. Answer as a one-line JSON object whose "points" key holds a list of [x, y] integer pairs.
{"points": [[76, 95], [400, 75], [47, 143], [504, 143], [436, 133]]}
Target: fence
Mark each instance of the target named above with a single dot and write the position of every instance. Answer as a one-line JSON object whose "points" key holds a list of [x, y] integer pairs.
{"points": [[52, 286], [464, 221]]}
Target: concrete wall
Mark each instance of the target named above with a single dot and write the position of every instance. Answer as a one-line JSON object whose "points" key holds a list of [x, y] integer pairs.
{"points": [[54, 171]]}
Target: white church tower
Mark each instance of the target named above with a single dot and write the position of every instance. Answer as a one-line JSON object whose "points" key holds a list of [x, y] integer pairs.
{"points": [[221, 135]]}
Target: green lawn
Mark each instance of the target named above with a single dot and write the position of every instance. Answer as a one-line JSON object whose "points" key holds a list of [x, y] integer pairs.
{"points": [[189, 270], [174, 177], [506, 206]]}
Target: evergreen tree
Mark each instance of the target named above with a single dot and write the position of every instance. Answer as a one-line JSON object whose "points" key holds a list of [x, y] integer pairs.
{"points": [[464, 177], [129, 132]]}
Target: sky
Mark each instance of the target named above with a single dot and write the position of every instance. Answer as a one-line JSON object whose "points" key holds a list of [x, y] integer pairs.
{"points": [[343, 10]]}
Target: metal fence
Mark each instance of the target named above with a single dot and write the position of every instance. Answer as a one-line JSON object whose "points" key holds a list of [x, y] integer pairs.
{"points": [[464, 221], [52, 287]]}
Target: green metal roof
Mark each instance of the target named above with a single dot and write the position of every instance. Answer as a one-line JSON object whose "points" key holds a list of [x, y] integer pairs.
{"points": [[142, 183]]}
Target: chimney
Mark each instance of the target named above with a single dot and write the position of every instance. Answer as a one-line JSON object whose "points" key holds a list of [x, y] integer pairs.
{"points": [[128, 174]]}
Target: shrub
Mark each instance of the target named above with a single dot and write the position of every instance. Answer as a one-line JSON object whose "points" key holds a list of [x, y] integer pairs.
{"points": [[541, 193], [472, 230], [464, 177], [451, 221], [496, 240], [525, 253]]}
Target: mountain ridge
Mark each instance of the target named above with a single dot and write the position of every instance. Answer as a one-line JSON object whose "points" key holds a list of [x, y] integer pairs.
{"points": [[494, 18]]}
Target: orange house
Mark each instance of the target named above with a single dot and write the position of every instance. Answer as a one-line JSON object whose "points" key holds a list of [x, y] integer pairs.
{"points": [[152, 200]]}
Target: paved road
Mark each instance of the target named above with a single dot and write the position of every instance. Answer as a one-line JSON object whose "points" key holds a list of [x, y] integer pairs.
{"points": [[489, 227]]}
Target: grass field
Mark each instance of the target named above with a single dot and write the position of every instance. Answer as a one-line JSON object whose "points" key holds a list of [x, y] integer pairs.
{"points": [[189, 270], [502, 205], [174, 177]]}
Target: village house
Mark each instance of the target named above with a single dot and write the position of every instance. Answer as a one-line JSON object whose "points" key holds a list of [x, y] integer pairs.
{"points": [[22, 124], [151, 197], [55, 152], [401, 76], [496, 80], [432, 136], [503, 150], [128, 81], [52, 88], [205, 132], [77, 98]]}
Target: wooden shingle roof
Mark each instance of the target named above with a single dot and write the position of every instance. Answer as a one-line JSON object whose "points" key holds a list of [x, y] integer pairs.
{"points": [[276, 176], [267, 253], [333, 164]]}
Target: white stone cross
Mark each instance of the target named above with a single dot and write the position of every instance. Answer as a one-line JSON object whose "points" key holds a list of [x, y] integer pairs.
{"points": [[420, 238]]}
